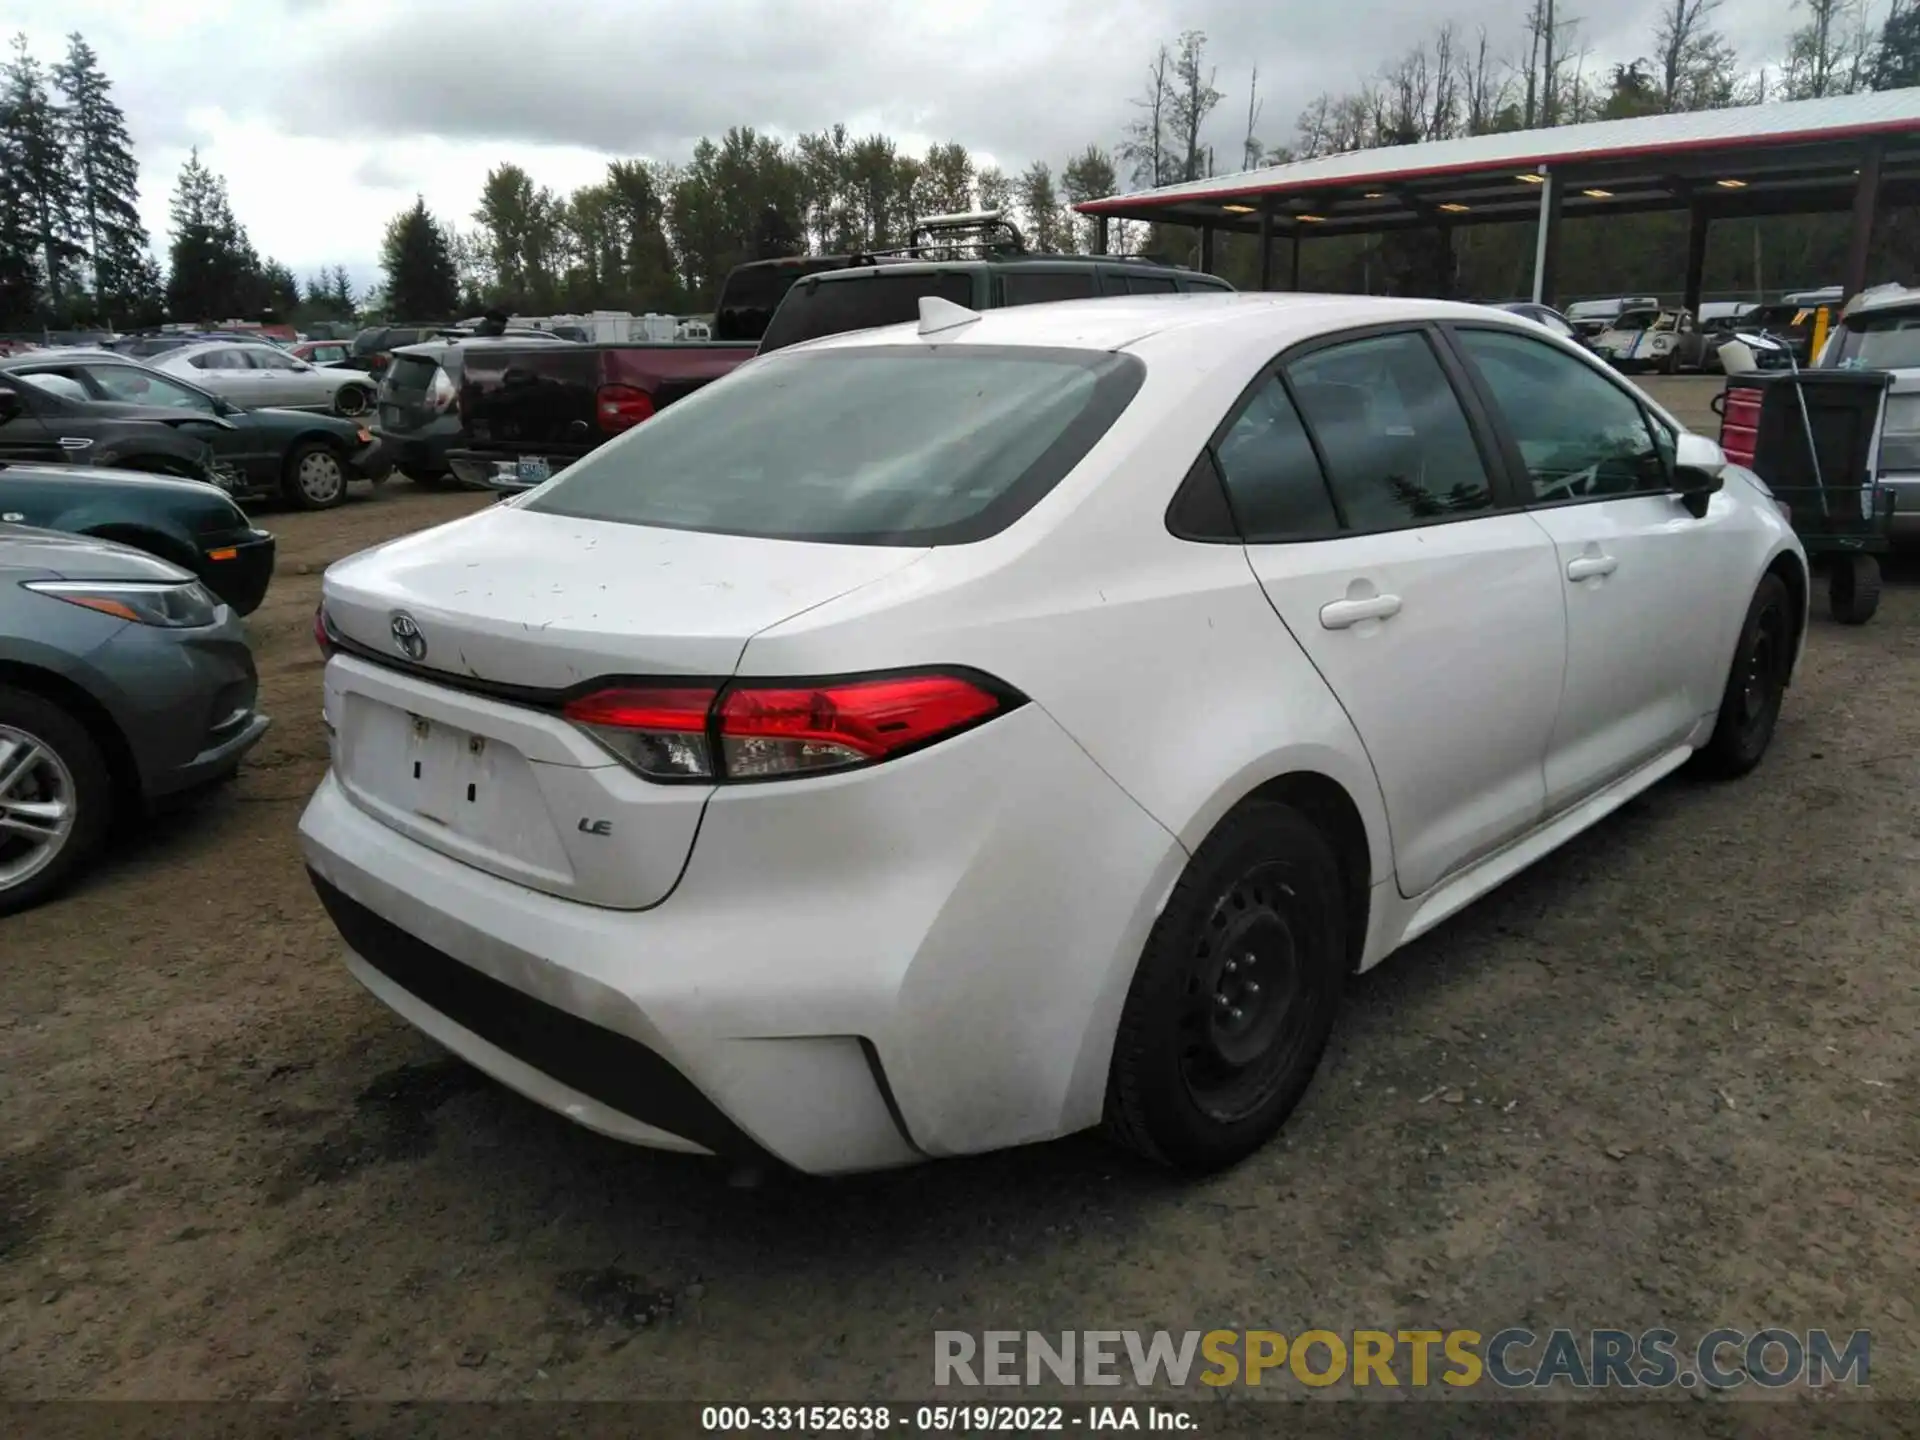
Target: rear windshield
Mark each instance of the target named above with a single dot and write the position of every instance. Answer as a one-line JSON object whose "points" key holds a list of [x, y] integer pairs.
{"points": [[882, 445], [1886, 341], [409, 375], [833, 307]]}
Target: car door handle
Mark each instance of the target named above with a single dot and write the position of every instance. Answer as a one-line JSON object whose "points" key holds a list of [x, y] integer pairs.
{"points": [[1345, 614], [1591, 567]]}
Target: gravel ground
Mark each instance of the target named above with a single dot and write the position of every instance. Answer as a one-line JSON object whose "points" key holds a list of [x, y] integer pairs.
{"points": [[1666, 1077]]}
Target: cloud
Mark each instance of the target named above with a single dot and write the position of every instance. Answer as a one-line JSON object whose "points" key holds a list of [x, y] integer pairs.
{"points": [[326, 117]]}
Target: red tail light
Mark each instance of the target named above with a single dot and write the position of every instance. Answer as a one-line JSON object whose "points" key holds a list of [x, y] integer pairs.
{"points": [[621, 407], [767, 732], [323, 633]]}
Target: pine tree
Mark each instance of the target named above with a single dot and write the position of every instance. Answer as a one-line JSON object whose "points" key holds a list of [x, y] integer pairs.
{"points": [[421, 279], [99, 157], [342, 292], [45, 186], [19, 277], [215, 274]]}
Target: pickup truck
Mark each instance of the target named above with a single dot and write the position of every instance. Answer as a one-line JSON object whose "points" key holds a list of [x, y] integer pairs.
{"points": [[528, 410]]}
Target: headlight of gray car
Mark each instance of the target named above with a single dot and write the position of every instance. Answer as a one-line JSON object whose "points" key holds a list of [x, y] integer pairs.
{"points": [[184, 605]]}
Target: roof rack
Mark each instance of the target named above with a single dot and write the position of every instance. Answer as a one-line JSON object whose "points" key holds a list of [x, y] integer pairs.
{"points": [[975, 235]]}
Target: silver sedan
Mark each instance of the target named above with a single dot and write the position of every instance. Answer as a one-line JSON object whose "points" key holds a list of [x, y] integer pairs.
{"points": [[253, 375]]}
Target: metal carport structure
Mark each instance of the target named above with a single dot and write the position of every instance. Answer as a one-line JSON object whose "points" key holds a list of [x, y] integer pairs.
{"points": [[1846, 152]]}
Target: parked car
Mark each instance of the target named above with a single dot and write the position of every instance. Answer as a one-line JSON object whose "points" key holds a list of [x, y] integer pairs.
{"points": [[1789, 323], [184, 522], [323, 352], [373, 348], [956, 735], [1670, 341], [889, 294], [1882, 332], [753, 291], [1544, 315], [123, 683], [1591, 317], [298, 456], [482, 409], [146, 347], [252, 374], [39, 423]]}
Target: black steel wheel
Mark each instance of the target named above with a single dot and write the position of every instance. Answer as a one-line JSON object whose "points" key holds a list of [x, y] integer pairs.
{"points": [[1750, 705], [1853, 589], [1235, 994]]}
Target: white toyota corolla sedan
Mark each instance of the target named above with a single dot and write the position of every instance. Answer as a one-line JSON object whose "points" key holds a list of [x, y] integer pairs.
{"points": [[951, 736]]}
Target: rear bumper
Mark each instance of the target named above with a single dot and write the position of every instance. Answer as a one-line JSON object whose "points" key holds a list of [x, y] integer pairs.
{"points": [[1906, 505], [371, 461], [241, 581], [906, 987], [475, 466], [424, 450]]}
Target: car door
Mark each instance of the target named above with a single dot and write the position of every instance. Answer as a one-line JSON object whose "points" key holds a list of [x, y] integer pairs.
{"points": [[1644, 579], [238, 445], [225, 371], [287, 381], [24, 435], [1428, 603]]}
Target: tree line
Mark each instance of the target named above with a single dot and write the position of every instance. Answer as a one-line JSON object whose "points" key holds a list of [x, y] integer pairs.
{"points": [[656, 236]]}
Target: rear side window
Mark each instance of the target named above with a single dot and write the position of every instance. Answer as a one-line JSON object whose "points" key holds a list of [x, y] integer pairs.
{"points": [[1396, 442], [1035, 287], [860, 303], [1272, 476], [1150, 285], [887, 445], [752, 293]]}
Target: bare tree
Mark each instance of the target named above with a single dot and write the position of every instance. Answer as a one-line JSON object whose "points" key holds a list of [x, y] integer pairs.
{"points": [[1549, 34], [1482, 94], [1828, 55], [1684, 38], [1145, 147], [1194, 98], [1250, 150]]}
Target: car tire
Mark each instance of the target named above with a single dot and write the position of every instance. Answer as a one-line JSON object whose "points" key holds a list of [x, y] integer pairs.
{"points": [[70, 771], [1756, 684], [315, 476], [1853, 589], [1210, 1058], [350, 401]]}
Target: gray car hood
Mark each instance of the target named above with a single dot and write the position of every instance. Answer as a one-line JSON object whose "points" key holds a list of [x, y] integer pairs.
{"points": [[30, 554]]}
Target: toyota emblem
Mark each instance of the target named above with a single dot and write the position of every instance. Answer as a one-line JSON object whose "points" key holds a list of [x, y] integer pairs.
{"points": [[407, 637]]}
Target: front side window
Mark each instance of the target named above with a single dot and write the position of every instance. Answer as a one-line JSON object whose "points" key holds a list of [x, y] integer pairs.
{"points": [[889, 445], [264, 359], [1580, 435], [143, 387], [1272, 476], [1397, 445]]}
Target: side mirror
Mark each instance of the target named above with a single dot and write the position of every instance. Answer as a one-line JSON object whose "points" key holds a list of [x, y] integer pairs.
{"points": [[1699, 470]]}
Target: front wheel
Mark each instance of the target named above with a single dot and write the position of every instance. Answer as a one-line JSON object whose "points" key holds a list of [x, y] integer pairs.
{"points": [[54, 798], [1853, 590], [316, 476], [1235, 994], [351, 400], [1750, 706]]}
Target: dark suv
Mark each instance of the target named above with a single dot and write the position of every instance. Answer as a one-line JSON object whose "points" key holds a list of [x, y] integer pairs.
{"points": [[978, 261]]}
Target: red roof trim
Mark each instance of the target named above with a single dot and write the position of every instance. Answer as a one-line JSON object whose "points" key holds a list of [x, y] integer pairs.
{"points": [[1517, 162]]}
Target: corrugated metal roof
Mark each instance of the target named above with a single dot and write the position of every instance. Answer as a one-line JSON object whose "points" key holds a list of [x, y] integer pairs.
{"points": [[1787, 122]]}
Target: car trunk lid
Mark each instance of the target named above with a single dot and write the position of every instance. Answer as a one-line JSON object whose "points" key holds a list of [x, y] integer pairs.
{"points": [[462, 642]]}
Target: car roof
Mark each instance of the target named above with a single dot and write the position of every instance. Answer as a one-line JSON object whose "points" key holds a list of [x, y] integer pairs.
{"points": [[1120, 322], [67, 354]]}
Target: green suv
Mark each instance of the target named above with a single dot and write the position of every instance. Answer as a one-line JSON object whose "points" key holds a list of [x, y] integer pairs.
{"points": [[978, 261]]}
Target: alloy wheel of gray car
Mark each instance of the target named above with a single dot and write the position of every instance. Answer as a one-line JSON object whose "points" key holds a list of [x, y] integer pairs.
{"points": [[38, 802], [317, 477]]}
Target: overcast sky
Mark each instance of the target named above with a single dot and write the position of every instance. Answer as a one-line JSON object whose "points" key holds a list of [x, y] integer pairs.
{"points": [[326, 116]]}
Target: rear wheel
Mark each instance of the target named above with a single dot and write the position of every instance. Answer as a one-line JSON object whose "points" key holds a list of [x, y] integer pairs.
{"points": [[55, 797], [352, 400], [1235, 994], [1853, 590], [1750, 707], [316, 476]]}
